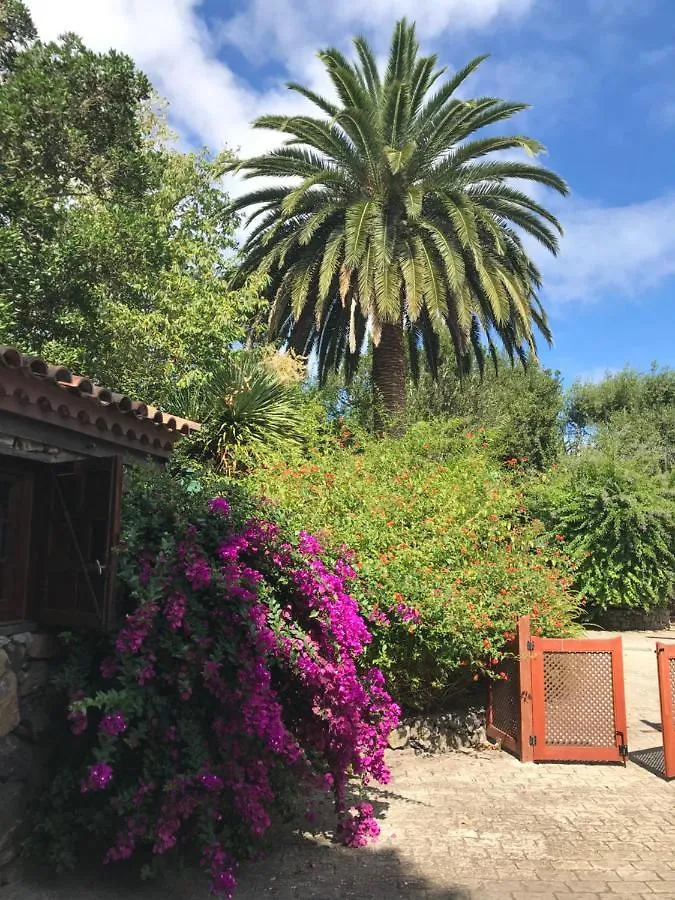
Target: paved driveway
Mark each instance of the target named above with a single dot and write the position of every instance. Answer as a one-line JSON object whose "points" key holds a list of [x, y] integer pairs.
{"points": [[477, 826]]}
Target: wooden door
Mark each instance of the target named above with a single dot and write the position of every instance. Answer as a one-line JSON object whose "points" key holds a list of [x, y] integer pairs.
{"points": [[15, 519], [76, 542]]}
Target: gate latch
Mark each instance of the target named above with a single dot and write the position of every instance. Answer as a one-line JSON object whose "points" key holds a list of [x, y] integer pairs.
{"points": [[623, 748]]}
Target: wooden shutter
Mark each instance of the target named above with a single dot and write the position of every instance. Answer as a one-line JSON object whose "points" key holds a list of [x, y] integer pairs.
{"points": [[76, 543], [15, 520]]}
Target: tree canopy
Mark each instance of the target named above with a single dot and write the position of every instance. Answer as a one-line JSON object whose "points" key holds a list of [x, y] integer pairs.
{"points": [[114, 255]]}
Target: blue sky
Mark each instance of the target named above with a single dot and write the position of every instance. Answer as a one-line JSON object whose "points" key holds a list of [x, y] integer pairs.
{"points": [[600, 75]]}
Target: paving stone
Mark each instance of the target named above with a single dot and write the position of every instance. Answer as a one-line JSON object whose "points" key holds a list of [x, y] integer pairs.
{"points": [[476, 826]]}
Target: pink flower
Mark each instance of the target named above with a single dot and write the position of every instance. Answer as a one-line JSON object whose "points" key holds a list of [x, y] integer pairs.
{"points": [[78, 721], [211, 782], [358, 827], [109, 667], [308, 544], [219, 506], [198, 573], [112, 724], [408, 614], [175, 610], [98, 778], [224, 883]]}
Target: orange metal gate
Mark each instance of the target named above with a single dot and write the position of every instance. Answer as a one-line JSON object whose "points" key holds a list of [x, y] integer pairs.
{"points": [[560, 700], [665, 657]]}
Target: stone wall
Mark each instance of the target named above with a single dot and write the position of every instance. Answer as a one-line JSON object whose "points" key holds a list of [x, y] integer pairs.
{"points": [[25, 659], [620, 619], [459, 730]]}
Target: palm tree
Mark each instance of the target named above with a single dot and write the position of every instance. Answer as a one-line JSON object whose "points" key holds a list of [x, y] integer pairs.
{"points": [[390, 223]]}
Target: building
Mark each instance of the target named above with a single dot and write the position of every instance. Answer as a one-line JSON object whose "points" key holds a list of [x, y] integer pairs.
{"points": [[63, 445]]}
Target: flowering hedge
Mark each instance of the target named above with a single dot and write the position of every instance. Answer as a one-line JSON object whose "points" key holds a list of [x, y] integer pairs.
{"points": [[236, 674], [446, 555]]}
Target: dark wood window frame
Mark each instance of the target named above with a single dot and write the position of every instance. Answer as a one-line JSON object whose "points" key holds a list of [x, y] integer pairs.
{"points": [[16, 540]]}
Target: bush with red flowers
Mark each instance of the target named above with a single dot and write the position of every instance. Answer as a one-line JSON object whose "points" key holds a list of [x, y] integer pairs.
{"points": [[446, 554]]}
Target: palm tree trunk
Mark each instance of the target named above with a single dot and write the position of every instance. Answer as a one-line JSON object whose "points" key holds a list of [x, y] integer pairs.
{"points": [[389, 367]]}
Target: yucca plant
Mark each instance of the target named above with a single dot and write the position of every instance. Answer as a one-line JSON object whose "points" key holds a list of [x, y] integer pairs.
{"points": [[244, 410], [395, 220]]}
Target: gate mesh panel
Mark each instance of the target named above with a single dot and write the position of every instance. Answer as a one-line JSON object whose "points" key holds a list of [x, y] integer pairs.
{"points": [[671, 673], [578, 699], [506, 700]]}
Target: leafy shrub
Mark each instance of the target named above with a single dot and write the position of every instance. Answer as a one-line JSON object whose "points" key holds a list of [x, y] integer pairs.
{"points": [[244, 409], [521, 407], [446, 559], [236, 674], [619, 525], [629, 412]]}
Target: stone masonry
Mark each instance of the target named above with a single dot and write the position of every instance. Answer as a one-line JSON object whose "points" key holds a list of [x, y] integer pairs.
{"points": [[24, 669]]}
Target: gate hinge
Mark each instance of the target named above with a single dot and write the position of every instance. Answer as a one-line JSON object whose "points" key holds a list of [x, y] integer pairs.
{"points": [[623, 750], [533, 740], [530, 645]]}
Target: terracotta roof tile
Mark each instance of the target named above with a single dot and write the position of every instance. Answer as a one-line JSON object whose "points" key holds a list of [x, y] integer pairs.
{"points": [[57, 393]]}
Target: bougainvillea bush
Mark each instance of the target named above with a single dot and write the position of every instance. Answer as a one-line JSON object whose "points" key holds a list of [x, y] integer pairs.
{"points": [[446, 555], [235, 675]]}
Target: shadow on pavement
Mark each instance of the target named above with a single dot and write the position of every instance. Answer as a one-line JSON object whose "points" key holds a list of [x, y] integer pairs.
{"points": [[303, 870], [657, 726], [303, 863], [652, 760]]}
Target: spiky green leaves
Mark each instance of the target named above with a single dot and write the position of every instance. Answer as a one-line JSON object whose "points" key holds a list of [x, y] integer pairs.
{"points": [[396, 207]]}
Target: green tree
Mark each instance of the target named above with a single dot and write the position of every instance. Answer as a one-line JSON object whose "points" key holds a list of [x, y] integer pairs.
{"points": [[114, 255], [70, 131], [156, 272], [522, 407], [399, 220], [629, 412], [619, 526]]}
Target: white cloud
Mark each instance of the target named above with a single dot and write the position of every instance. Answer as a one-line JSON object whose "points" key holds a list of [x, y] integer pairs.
{"points": [[285, 25], [619, 250], [209, 103], [166, 38]]}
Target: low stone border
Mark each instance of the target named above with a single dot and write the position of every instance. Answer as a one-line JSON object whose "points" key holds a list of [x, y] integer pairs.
{"points": [[25, 660], [443, 733], [619, 619]]}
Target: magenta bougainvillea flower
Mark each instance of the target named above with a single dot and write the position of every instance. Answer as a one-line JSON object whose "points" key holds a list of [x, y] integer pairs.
{"points": [[98, 778], [112, 724], [239, 668], [220, 506]]}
